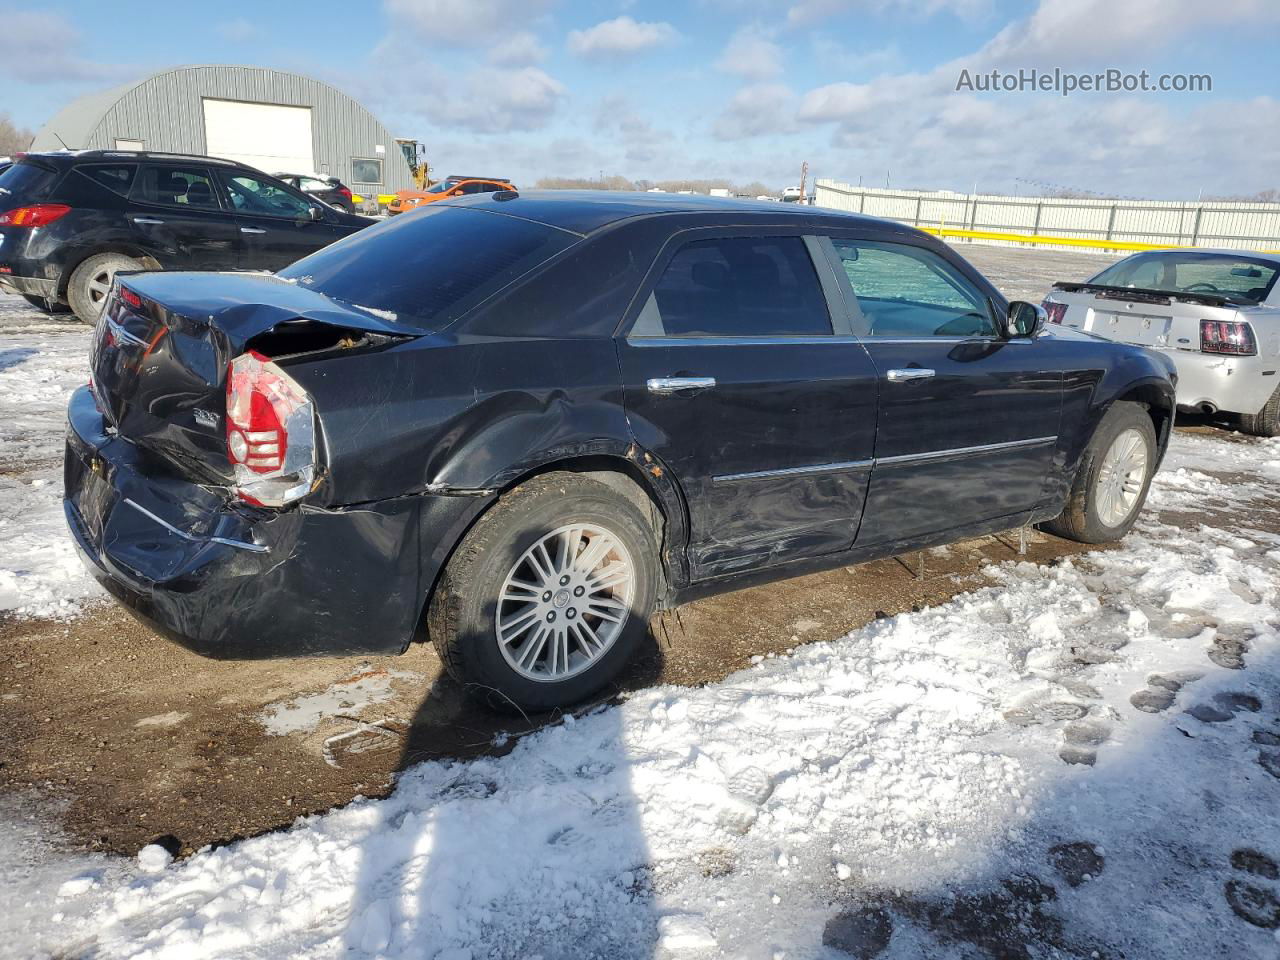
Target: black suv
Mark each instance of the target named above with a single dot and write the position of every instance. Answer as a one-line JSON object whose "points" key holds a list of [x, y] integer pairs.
{"points": [[70, 221]]}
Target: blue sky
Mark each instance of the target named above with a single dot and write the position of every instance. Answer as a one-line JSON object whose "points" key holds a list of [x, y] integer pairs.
{"points": [[743, 89]]}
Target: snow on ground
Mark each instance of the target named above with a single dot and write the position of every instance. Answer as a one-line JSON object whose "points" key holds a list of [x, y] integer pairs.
{"points": [[903, 788], [900, 792], [42, 360]]}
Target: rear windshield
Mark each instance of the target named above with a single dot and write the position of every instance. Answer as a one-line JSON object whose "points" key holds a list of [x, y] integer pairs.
{"points": [[430, 266], [1241, 278], [23, 181]]}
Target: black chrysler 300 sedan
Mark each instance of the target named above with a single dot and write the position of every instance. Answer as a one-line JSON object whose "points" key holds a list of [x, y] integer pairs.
{"points": [[520, 424]]}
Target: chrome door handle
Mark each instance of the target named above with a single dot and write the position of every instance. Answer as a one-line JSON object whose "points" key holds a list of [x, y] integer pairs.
{"points": [[146, 220], [910, 373], [251, 230], [664, 386]]}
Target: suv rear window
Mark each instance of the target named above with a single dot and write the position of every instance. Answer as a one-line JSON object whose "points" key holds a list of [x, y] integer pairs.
{"points": [[25, 181], [116, 177], [429, 266]]}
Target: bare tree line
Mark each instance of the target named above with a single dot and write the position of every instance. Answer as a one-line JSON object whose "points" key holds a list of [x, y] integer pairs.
{"points": [[752, 189], [13, 138]]}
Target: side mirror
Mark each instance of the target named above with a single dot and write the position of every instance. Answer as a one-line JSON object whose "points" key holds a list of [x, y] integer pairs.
{"points": [[315, 213], [1024, 320]]}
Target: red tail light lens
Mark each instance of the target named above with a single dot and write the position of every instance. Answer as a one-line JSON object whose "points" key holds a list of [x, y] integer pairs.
{"points": [[36, 215], [345, 191], [270, 432], [131, 298], [1231, 337], [1056, 311]]}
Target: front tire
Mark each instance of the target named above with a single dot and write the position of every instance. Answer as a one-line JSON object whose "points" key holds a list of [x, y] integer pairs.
{"points": [[1115, 473], [91, 282], [548, 596], [1266, 422]]}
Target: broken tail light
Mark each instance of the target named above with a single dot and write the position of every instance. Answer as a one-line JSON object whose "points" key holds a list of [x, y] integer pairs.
{"points": [[270, 432], [1056, 311], [35, 215], [1230, 337]]}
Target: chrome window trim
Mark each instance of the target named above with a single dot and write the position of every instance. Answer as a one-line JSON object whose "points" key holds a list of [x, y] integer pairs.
{"points": [[933, 456], [225, 541]]}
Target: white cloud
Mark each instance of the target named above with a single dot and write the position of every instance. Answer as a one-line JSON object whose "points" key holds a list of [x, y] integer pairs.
{"points": [[807, 12], [461, 23], [760, 109], [498, 100], [752, 55], [621, 36], [517, 50], [39, 47], [1061, 32]]}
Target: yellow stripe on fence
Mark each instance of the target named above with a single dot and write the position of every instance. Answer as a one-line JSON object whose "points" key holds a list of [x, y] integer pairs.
{"points": [[945, 231]]}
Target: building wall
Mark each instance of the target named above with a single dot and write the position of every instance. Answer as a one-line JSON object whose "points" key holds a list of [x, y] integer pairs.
{"points": [[165, 112], [1244, 226]]}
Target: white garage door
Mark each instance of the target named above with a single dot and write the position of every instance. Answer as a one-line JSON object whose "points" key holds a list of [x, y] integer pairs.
{"points": [[272, 138]]}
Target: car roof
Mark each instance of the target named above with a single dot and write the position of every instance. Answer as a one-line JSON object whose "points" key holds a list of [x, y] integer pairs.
{"points": [[587, 211], [63, 155]]}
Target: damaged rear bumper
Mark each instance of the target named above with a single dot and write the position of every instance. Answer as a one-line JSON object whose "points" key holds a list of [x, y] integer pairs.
{"points": [[232, 582]]}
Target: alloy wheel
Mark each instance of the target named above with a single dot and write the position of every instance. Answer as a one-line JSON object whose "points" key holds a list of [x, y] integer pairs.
{"points": [[1121, 477], [565, 602]]}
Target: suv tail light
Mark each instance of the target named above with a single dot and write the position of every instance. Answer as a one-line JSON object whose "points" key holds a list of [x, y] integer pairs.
{"points": [[345, 191], [35, 215], [1231, 337], [1055, 310], [270, 432]]}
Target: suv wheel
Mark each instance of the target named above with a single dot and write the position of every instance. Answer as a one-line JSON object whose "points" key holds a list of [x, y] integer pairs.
{"points": [[1115, 473], [45, 305], [1266, 422], [548, 595], [91, 282]]}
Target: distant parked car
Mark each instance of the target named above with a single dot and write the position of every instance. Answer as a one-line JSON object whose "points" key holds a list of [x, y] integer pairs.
{"points": [[1215, 312], [446, 189], [323, 187], [521, 424], [70, 221]]}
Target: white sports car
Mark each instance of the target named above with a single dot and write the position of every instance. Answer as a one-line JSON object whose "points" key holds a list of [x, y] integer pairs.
{"points": [[1216, 312]]}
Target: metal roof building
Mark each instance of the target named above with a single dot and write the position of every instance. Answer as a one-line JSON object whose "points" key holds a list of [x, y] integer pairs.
{"points": [[272, 120]]}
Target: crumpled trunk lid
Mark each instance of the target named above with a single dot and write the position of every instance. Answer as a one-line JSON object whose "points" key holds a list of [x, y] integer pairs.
{"points": [[164, 341]]}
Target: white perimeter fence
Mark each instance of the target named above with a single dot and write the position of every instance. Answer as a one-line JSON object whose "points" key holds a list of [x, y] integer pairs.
{"points": [[1100, 224]]}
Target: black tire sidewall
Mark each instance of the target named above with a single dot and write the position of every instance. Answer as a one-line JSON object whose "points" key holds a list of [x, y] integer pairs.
{"points": [[476, 585], [1119, 418], [78, 286]]}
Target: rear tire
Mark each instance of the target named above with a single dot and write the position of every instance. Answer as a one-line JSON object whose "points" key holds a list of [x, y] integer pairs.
{"points": [[497, 580], [1266, 422], [45, 305], [91, 282], [1115, 473]]}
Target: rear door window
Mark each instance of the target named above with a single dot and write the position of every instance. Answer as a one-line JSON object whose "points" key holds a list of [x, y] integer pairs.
{"points": [[432, 267], [191, 188], [116, 177], [740, 287]]}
